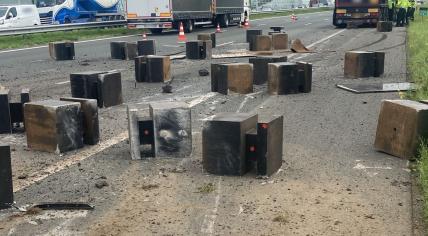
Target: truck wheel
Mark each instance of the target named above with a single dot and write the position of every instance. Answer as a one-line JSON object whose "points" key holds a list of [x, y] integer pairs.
{"points": [[156, 31], [188, 26], [224, 21]]}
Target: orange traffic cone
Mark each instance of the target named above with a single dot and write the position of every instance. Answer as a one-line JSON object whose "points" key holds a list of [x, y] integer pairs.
{"points": [[247, 23], [293, 18], [218, 30], [181, 35]]}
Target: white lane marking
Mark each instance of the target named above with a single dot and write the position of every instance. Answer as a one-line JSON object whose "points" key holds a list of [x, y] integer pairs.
{"points": [[308, 24], [63, 82], [184, 88], [173, 46], [69, 161], [326, 38], [262, 24], [224, 44], [275, 17], [247, 97], [201, 99], [209, 219], [360, 166], [77, 42]]}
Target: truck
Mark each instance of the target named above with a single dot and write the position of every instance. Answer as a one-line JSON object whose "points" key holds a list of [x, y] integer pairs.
{"points": [[158, 15], [358, 12], [77, 11]]}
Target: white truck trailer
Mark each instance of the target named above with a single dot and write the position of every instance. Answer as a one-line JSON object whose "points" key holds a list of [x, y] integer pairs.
{"points": [[158, 15]]}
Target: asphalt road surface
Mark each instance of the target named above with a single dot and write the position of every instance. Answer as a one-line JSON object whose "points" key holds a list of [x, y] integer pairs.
{"points": [[332, 181]]}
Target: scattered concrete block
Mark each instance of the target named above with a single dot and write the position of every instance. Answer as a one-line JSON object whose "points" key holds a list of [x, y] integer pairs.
{"points": [[208, 37], [109, 89], [298, 47], [6, 186], [141, 69], [277, 29], [283, 78], [90, 121], [198, 49], [5, 120], [305, 76], [85, 84], [117, 50], [53, 126], [361, 64], [158, 69], [11, 113], [219, 78], [224, 144], [280, 41], [401, 125], [239, 77], [172, 124], [146, 47], [384, 26], [141, 133], [131, 51], [61, 51], [261, 43], [251, 33], [260, 65], [269, 145]]}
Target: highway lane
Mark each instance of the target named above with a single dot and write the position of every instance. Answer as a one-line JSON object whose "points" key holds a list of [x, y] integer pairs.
{"points": [[332, 182]]}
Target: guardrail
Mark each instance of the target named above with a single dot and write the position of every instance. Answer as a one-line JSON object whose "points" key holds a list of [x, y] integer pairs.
{"points": [[254, 12], [65, 27]]}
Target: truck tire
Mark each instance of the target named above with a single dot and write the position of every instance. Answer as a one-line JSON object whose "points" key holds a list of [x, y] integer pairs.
{"points": [[156, 31], [188, 26], [223, 20]]}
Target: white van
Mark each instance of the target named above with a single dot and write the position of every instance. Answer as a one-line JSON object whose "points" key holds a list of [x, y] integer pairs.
{"points": [[18, 16]]}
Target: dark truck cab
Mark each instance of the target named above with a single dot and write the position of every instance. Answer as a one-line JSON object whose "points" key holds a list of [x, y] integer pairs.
{"points": [[356, 12]]}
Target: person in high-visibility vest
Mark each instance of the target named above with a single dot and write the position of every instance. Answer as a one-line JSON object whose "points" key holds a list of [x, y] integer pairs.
{"points": [[407, 15], [401, 14], [391, 6], [411, 10]]}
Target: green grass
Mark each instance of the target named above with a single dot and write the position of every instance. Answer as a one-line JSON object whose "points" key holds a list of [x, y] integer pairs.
{"points": [[288, 13], [28, 40], [423, 175]]}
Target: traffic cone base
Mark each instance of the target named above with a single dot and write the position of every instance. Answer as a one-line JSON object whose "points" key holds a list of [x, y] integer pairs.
{"points": [[218, 30], [247, 23]]}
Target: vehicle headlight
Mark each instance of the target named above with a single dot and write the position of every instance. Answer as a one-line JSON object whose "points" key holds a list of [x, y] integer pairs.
{"points": [[1, 21]]}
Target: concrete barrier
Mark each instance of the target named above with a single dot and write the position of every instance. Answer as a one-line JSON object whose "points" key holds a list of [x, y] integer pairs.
{"points": [[123, 50], [62, 51], [362, 64], [146, 47], [260, 67], [6, 186], [198, 49]]}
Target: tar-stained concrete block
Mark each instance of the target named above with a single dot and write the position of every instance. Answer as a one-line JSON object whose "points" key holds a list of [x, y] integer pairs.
{"points": [[224, 143], [283, 78], [146, 47], [158, 69], [260, 67], [141, 69], [279, 41], [359, 64], [5, 120], [131, 51], [6, 186], [90, 121], [138, 115], [85, 84], [269, 145], [110, 89], [261, 43], [384, 26], [117, 50], [208, 37], [62, 51], [219, 78], [401, 125], [172, 124], [53, 126], [251, 33], [239, 77], [379, 63], [305, 76], [198, 49]]}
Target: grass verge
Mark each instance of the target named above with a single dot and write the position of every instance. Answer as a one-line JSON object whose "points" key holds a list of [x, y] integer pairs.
{"points": [[29, 40], [418, 67], [288, 13]]}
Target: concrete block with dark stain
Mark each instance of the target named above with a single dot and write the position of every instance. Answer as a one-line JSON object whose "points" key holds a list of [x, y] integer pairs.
{"points": [[379, 63], [146, 47], [53, 126], [141, 69], [261, 43], [198, 49], [269, 145], [141, 132], [251, 33], [158, 69], [305, 76], [283, 78], [6, 186], [172, 124], [5, 119], [219, 78], [61, 51], [260, 67], [359, 64], [280, 41], [401, 126], [224, 143], [109, 89], [208, 37], [85, 84], [90, 121], [117, 50], [131, 50]]}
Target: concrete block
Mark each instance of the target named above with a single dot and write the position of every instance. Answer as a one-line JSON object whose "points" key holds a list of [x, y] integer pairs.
{"points": [[198, 49], [61, 51], [6, 186], [305, 76], [158, 69], [283, 78], [219, 78], [5, 119], [146, 47], [400, 126], [208, 37], [117, 50], [379, 64], [239, 77], [141, 69], [251, 33], [280, 41], [359, 64], [261, 43], [172, 124], [224, 144], [90, 121], [269, 145], [109, 89], [85, 84], [131, 51], [53, 126], [141, 132], [277, 29], [384, 26], [260, 67]]}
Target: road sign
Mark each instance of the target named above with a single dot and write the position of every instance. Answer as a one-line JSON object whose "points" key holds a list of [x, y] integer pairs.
{"points": [[423, 11]]}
